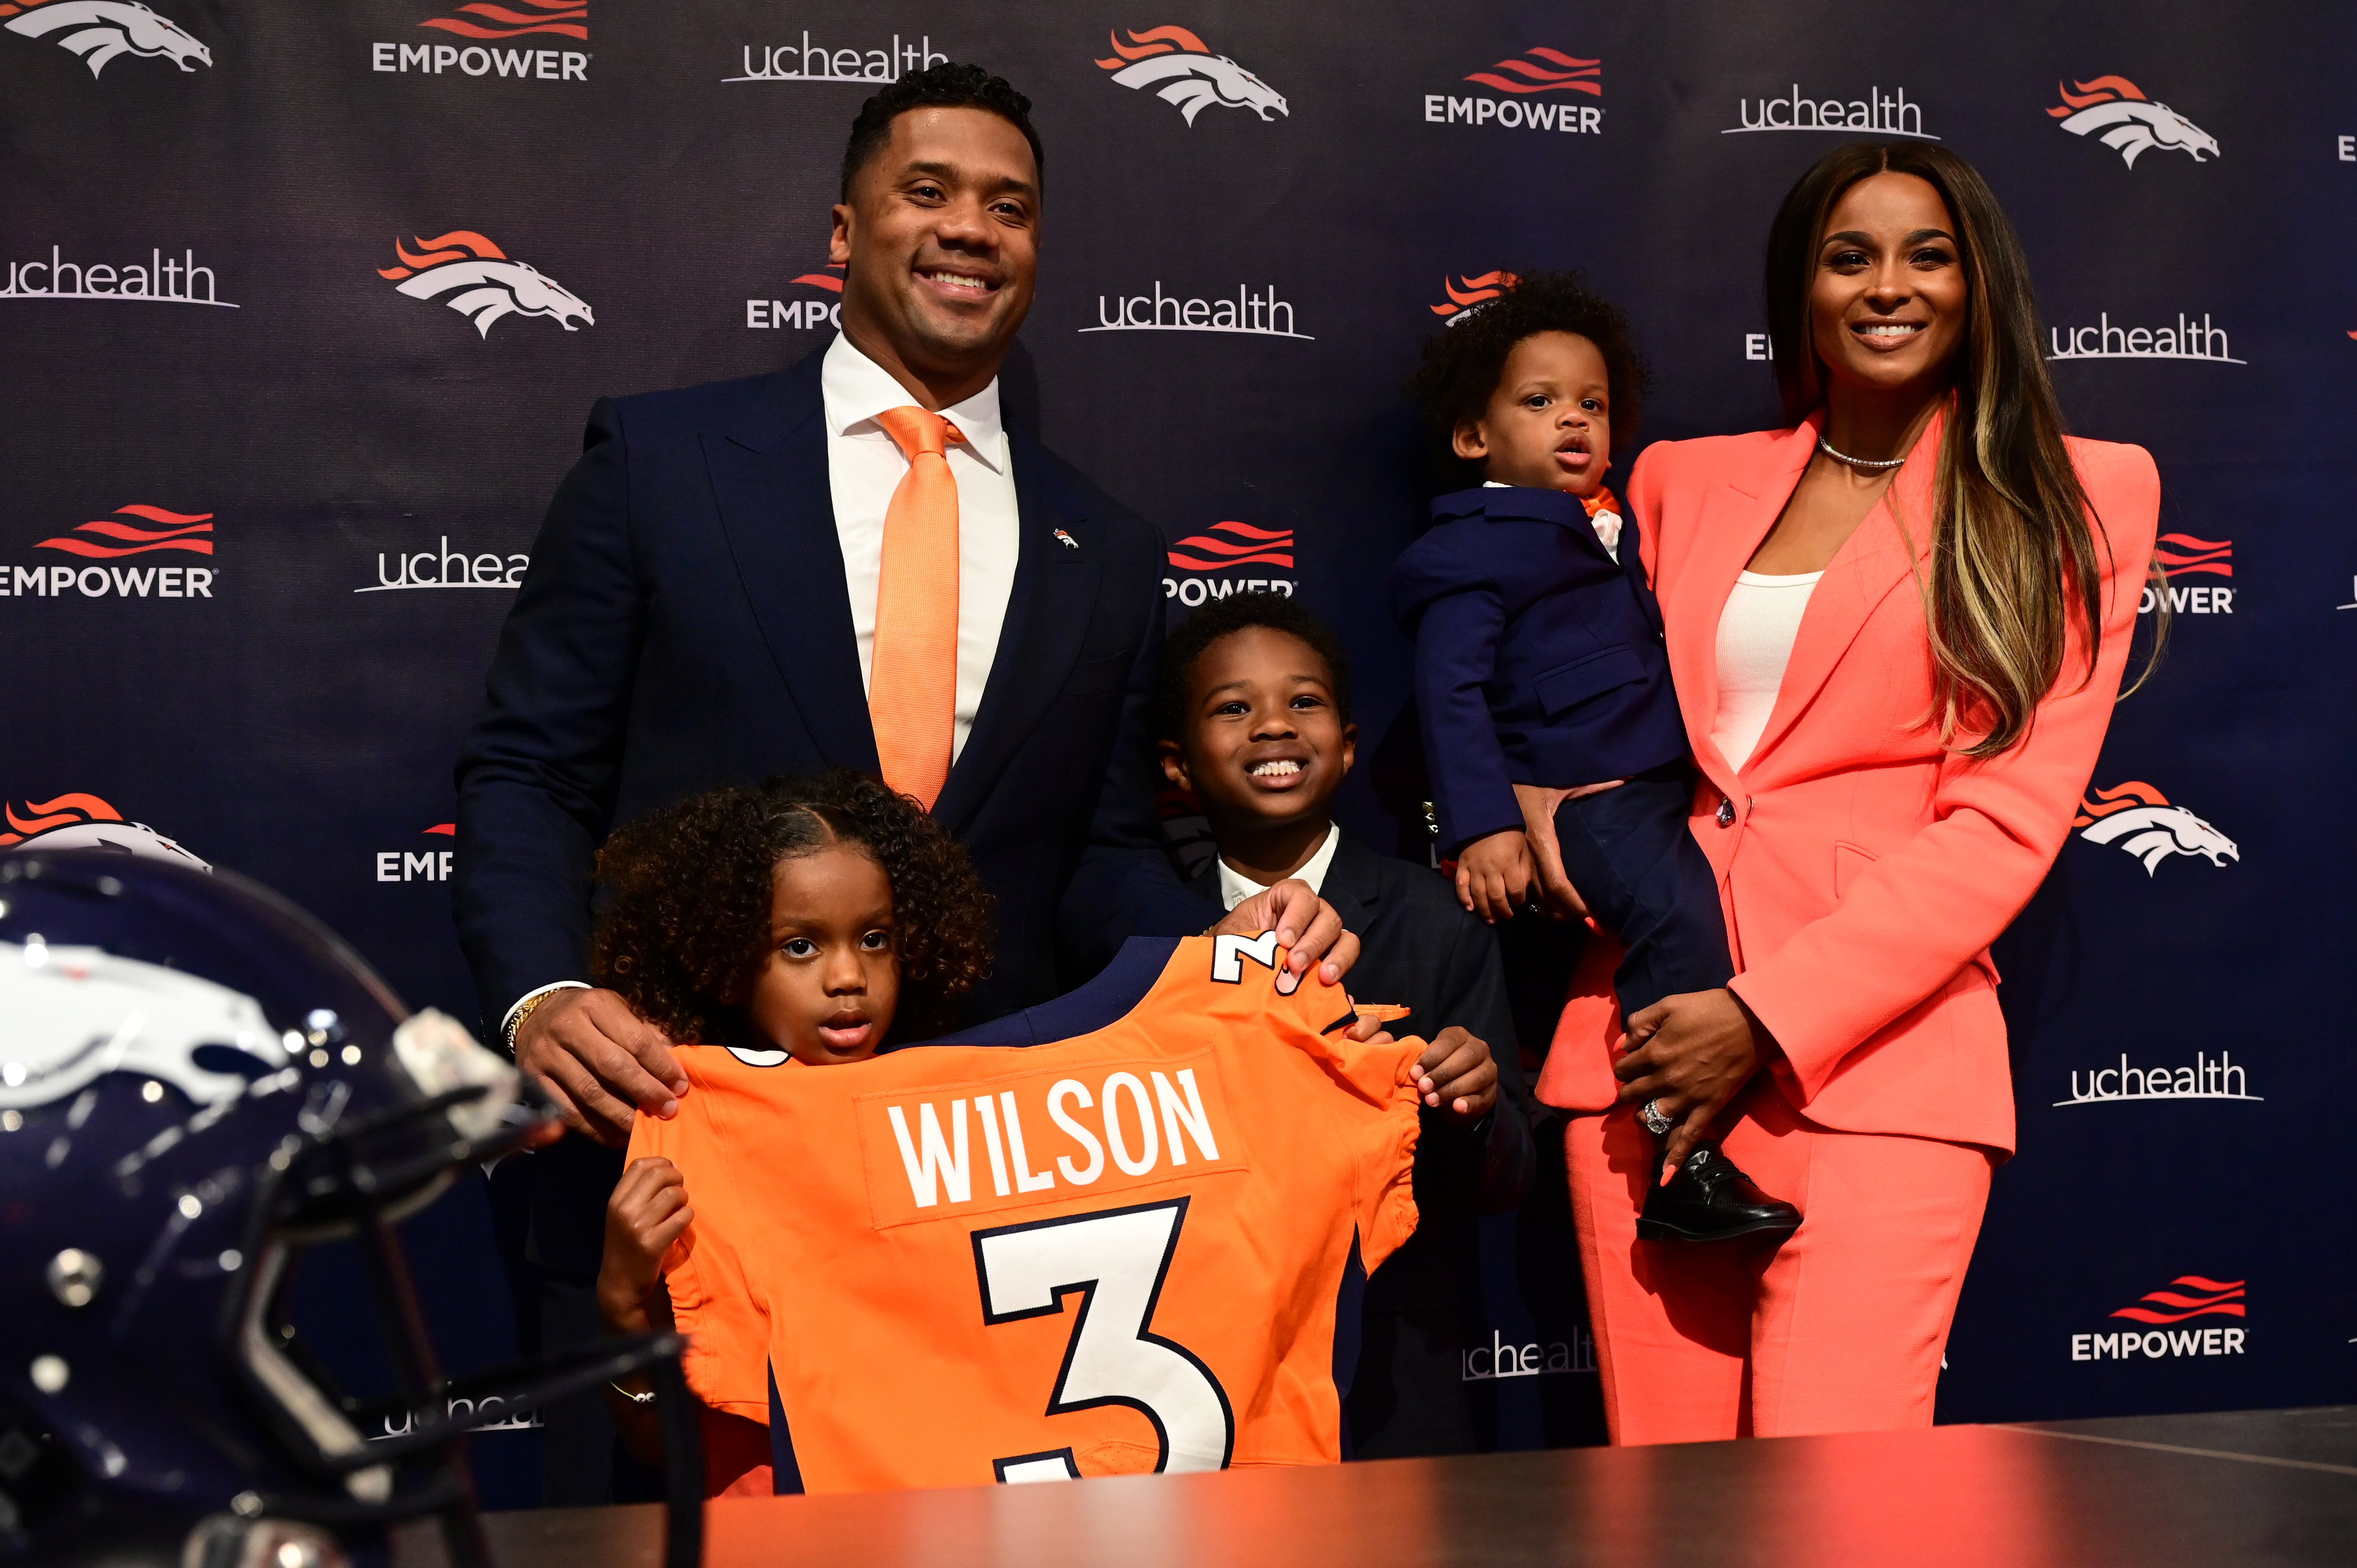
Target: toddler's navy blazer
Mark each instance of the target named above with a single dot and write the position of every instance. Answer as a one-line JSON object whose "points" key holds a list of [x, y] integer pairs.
{"points": [[684, 625], [1538, 658]]}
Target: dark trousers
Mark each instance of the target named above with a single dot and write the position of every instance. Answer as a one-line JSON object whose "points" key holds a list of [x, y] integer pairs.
{"points": [[1646, 881]]}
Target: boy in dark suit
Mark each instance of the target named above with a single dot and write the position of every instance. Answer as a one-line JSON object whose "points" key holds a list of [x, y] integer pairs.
{"points": [[1255, 720], [1543, 688]]}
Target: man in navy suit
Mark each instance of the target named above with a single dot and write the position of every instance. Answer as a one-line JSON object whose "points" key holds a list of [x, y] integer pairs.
{"points": [[701, 610]]}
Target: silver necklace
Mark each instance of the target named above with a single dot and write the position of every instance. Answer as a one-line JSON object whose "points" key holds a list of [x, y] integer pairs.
{"points": [[1827, 448]]}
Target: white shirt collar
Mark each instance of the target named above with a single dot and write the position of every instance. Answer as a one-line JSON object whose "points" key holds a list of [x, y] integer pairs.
{"points": [[857, 388], [1235, 888]]}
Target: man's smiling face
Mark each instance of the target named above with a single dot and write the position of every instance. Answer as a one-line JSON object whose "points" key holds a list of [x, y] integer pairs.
{"points": [[941, 242]]}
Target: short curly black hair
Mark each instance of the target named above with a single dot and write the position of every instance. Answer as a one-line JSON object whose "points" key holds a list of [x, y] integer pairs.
{"points": [[946, 86], [688, 920], [1463, 361], [1239, 612]]}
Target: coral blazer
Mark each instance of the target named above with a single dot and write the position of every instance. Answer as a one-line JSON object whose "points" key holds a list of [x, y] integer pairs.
{"points": [[1864, 870]]}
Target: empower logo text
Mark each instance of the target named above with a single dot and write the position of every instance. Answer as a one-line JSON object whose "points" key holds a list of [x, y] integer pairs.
{"points": [[1529, 79]]}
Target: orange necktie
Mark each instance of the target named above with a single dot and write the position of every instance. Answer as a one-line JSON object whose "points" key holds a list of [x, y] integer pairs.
{"points": [[913, 678]]}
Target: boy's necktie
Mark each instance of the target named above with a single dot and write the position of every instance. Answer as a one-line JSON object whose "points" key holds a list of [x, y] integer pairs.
{"points": [[913, 677]]}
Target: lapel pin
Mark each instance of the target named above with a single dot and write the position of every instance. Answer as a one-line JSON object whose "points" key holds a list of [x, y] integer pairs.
{"points": [[1070, 543]]}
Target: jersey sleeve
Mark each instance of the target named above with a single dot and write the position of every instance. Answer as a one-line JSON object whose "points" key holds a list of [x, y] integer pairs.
{"points": [[714, 1299]]}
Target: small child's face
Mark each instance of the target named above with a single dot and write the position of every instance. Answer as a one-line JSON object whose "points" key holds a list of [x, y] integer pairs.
{"points": [[826, 990], [1549, 422], [1264, 743]]}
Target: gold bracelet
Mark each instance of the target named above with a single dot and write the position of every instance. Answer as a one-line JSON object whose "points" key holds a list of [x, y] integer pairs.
{"points": [[515, 1024]]}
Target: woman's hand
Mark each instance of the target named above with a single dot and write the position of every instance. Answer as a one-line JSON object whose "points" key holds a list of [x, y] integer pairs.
{"points": [[1689, 1055], [1494, 874], [1457, 1070], [647, 1213]]}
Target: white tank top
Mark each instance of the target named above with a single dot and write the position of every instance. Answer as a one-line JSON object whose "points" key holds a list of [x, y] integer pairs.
{"points": [[1755, 643]]}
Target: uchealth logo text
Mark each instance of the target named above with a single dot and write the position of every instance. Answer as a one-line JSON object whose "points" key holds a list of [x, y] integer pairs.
{"points": [[1181, 69], [1258, 314], [101, 31], [821, 308], [1485, 1363], [1469, 293], [2124, 117], [490, 27], [2183, 555], [428, 865], [445, 568], [78, 821], [491, 1413], [1531, 81], [2188, 340], [1879, 112], [824, 60], [1232, 548], [2185, 1297], [162, 278], [2139, 819], [483, 282], [2209, 1078], [132, 532]]}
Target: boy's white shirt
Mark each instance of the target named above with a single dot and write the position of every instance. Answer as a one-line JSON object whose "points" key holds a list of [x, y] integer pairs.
{"points": [[1234, 888]]}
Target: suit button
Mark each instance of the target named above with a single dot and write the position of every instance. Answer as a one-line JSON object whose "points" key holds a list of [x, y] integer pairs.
{"points": [[1727, 813]]}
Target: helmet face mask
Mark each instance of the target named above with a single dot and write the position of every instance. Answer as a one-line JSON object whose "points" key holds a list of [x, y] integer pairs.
{"points": [[198, 1084]]}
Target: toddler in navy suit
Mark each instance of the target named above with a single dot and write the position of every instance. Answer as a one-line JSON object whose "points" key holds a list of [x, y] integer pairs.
{"points": [[1540, 673]]}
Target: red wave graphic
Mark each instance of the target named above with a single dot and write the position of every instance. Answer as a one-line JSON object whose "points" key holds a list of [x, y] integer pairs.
{"points": [[468, 29], [115, 551], [2225, 1299], [139, 535], [823, 280], [157, 514], [2102, 89], [2103, 803], [1192, 564], [1229, 547], [1153, 41], [1538, 79], [1246, 546], [2194, 555], [449, 829]]}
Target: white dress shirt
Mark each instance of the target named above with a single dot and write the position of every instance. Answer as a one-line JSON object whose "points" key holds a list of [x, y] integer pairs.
{"points": [[1235, 888], [865, 466]]}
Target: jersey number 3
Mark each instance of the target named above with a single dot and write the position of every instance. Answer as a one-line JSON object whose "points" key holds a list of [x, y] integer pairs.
{"points": [[1117, 1259]]}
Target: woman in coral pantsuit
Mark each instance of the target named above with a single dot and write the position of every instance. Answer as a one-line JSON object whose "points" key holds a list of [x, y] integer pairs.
{"points": [[1897, 630]]}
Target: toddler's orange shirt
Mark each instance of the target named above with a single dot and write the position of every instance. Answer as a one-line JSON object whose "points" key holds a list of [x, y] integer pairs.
{"points": [[1116, 1250]]}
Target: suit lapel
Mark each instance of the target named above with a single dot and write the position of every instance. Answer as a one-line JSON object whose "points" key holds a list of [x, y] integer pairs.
{"points": [[769, 479], [1736, 517], [1871, 563], [1048, 615]]}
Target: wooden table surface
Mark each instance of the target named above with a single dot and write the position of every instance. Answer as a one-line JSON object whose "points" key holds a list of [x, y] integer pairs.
{"points": [[2237, 1491]]}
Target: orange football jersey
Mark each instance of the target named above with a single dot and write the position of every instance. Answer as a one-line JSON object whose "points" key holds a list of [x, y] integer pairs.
{"points": [[1116, 1247]]}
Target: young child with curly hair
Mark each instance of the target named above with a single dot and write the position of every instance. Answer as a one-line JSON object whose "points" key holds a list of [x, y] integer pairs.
{"points": [[1556, 749], [802, 918]]}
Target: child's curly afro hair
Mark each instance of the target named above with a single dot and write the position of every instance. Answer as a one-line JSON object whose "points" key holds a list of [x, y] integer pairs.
{"points": [[1463, 361], [688, 920]]}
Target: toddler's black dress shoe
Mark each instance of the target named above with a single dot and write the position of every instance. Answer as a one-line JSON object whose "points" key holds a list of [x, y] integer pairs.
{"points": [[1710, 1200]]}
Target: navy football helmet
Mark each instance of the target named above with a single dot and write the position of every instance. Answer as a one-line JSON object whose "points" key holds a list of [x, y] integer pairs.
{"points": [[196, 1083]]}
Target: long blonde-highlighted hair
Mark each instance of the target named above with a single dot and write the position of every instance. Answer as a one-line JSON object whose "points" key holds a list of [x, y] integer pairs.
{"points": [[2014, 543]]}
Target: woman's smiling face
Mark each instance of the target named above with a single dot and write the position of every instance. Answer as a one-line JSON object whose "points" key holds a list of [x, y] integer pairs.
{"points": [[1887, 303]]}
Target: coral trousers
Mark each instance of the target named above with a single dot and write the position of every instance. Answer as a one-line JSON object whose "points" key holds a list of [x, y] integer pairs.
{"points": [[1840, 1327]]}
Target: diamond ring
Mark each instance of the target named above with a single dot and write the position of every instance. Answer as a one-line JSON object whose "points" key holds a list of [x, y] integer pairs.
{"points": [[1656, 1123]]}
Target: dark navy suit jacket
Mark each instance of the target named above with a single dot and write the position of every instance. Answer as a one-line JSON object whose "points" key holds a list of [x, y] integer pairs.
{"points": [[684, 625], [1538, 658]]}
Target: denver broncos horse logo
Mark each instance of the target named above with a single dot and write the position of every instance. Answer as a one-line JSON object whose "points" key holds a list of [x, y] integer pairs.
{"points": [[1193, 75], [99, 30], [2129, 119], [2139, 819], [85, 821], [492, 285]]}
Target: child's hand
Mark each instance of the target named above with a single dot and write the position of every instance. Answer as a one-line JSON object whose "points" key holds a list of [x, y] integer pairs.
{"points": [[1493, 874], [1457, 1071], [645, 1215]]}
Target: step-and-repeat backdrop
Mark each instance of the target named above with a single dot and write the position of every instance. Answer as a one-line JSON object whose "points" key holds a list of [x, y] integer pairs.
{"points": [[301, 307]]}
